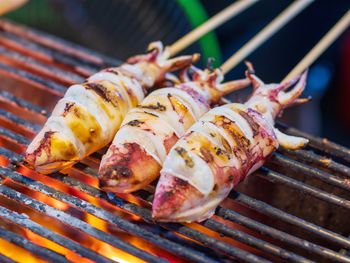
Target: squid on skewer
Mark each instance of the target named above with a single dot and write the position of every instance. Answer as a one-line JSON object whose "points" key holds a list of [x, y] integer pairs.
{"points": [[150, 130], [221, 149], [88, 116]]}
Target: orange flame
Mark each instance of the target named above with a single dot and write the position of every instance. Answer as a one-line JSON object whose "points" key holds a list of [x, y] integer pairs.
{"points": [[55, 247], [18, 254], [84, 239]]}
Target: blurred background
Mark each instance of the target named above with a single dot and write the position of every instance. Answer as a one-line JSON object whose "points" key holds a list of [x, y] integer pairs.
{"points": [[121, 28]]}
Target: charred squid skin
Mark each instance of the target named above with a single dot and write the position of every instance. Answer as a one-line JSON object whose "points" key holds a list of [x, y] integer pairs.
{"points": [[227, 144], [167, 203], [156, 125], [226, 167], [128, 167], [88, 116], [124, 168]]}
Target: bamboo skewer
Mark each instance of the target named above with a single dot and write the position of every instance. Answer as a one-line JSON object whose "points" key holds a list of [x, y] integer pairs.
{"points": [[9, 5], [321, 46], [217, 20], [282, 19]]}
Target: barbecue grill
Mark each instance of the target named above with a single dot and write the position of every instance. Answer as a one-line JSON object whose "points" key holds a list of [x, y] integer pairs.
{"points": [[64, 217]]}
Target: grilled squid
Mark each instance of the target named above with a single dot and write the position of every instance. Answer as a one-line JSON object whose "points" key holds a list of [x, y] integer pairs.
{"points": [[88, 116], [148, 131], [221, 149]]}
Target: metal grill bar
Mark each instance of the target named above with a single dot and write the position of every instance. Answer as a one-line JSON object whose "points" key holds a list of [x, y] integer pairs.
{"points": [[318, 160], [320, 144], [8, 116], [33, 79], [44, 253], [279, 235], [322, 195], [145, 214], [105, 215], [254, 242], [24, 221], [208, 241], [46, 54], [239, 235], [56, 43], [17, 138], [70, 179], [253, 203], [246, 238], [5, 259], [10, 99], [76, 223], [267, 209], [88, 189], [309, 171], [125, 225], [150, 219], [320, 250], [13, 157], [35, 66]]}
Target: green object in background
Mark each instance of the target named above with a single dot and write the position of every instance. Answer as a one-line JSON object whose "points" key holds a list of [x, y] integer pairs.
{"points": [[197, 15], [35, 12]]}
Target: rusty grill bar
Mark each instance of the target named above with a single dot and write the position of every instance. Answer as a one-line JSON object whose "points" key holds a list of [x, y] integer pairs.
{"points": [[45, 65]]}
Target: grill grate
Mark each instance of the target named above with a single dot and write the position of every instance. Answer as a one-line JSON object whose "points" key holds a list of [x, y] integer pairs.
{"points": [[41, 64]]}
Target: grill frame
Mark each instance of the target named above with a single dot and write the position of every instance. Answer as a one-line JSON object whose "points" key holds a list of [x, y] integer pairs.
{"points": [[42, 49]]}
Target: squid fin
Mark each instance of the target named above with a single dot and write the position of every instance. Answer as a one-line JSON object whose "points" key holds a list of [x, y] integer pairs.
{"points": [[290, 142]]}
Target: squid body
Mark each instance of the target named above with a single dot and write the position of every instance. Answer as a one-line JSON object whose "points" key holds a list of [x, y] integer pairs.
{"points": [[88, 116], [221, 149], [150, 130]]}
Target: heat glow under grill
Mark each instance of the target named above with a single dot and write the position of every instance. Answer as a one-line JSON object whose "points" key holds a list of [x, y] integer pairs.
{"points": [[64, 217]]}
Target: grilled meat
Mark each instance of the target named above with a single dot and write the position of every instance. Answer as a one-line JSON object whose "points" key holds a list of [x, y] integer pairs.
{"points": [[221, 149], [150, 130], [88, 116]]}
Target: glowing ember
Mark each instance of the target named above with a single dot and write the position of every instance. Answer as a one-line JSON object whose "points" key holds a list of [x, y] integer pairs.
{"points": [[85, 240], [55, 247], [18, 254]]}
